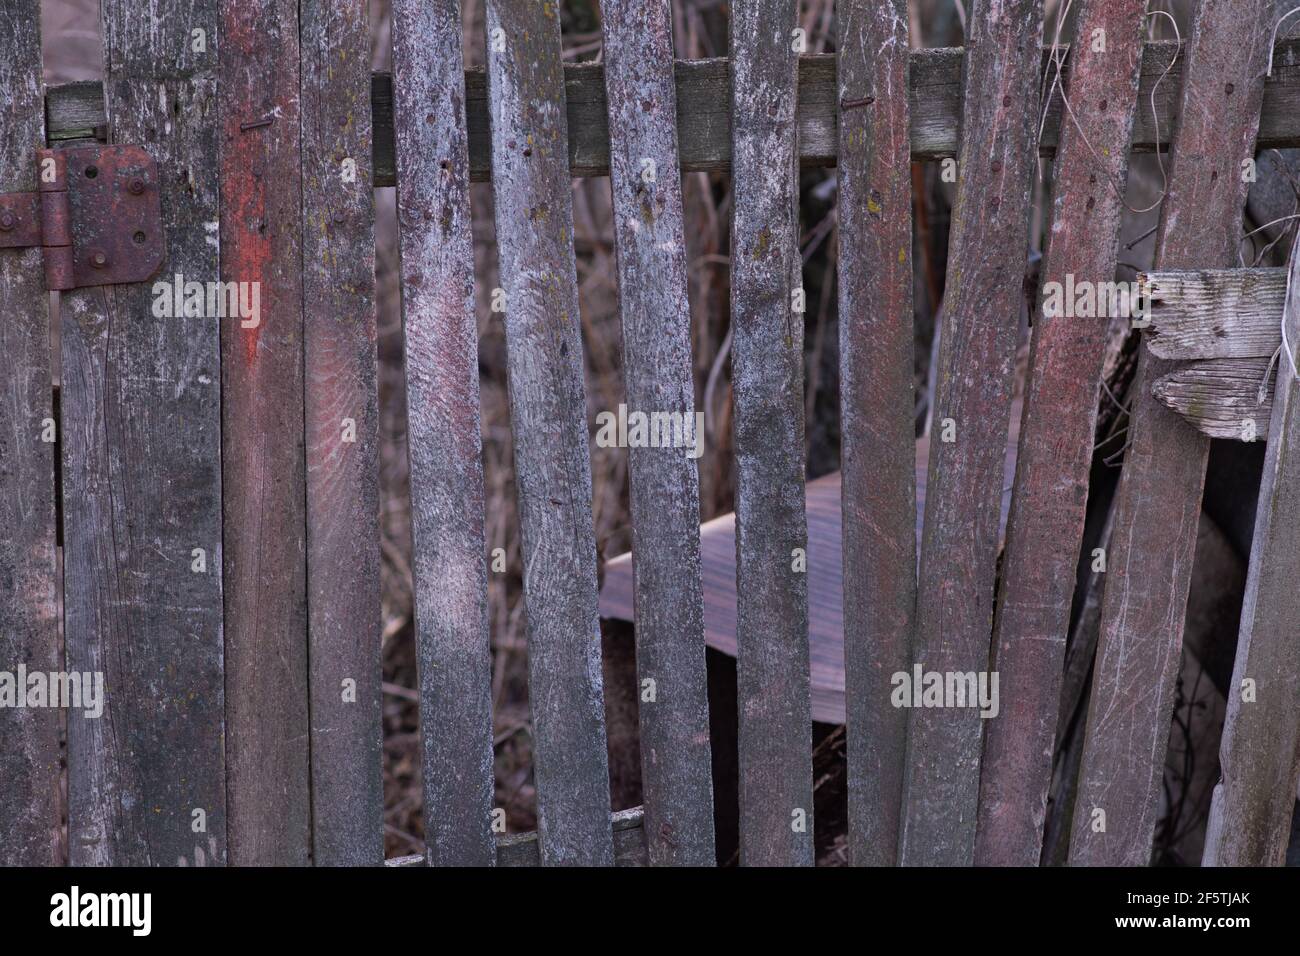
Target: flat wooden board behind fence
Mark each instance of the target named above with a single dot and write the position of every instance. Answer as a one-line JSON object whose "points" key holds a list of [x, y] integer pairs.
{"points": [[442, 400], [1158, 503], [1056, 438], [264, 500], [877, 413], [141, 411], [534, 220], [29, 629], [665, 493], [981, 318], [341, 405]]}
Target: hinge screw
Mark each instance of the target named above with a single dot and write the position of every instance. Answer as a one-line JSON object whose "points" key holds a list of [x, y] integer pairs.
{"points": [[8, 221], [98, 260], [136, 186]]}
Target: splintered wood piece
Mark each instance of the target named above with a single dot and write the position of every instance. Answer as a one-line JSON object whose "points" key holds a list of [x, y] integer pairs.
{"points": [[1221, 397], [665, 491], [534, 228], [1215, 313]]}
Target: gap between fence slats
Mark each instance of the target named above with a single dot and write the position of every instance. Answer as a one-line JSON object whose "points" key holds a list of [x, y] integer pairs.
{"points": [[1158, 503], [534, 229], [664, 481]]}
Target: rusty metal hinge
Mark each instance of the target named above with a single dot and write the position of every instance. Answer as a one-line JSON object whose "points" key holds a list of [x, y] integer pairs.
{"points": [[96, 215]]}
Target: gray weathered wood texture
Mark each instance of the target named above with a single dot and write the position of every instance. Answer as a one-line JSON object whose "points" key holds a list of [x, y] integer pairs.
{"points": [[1221, 397], [775, 735], [142, 480], [30, 810], [704, 122], [1158, 502], [263, 506], [341, 405], [442, 398], [534, 225], [982, 302], [1215, 313], [1056, 438], [878, 491], [664, 482], [1259, 753]]}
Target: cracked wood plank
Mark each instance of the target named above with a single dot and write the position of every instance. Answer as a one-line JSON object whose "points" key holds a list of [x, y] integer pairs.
{"points": [[664, 482], [443, 433], [878, 491], [534, 225], [1259, 753], [704, 92], [263, 507], [1045, 526], [775, 731], [341, 405], [990, 226], [142, 480], [30, 806], [1221, 397], [1158, 502], [1215, 313]]}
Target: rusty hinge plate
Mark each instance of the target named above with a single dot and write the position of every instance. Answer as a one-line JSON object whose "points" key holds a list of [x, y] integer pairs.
{"points": [[96, 214]]}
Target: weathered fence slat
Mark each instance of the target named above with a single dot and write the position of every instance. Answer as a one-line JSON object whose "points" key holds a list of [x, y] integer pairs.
{"points": [[1157, 506], [878, 493], [341, 406], [1045, 524], [1259, 755], [1221, 397], [442, 397], [29, 632], [534, 225], [982, 302], [704, 122], [263, 513], [1215, 313], [664, 481], [776, 810], [142, 480]]}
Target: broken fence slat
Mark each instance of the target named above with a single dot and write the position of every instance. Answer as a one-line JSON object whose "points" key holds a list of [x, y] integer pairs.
{"points": [[141, 400], [664, 482], [877, 414], [996, 170], [341, 406], [443, 433], [1220, 397], [534, 220], [775, 730], [1158, 502], [30, 807], [1214, 313], [1259, 754], [1056, 439], [264, 501]]}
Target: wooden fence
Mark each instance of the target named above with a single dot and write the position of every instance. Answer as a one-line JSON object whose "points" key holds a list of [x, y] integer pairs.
{"points": [[213, 483]]}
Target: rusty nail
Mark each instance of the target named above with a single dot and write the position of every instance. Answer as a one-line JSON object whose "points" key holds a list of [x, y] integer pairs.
{"points": [[8, 220], [854, 104], [98, 260], [245, 127], [136, 186]]}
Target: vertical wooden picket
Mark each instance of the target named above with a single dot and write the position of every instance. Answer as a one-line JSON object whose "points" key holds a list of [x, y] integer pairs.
{"points": [[142, 479], [442, 398], [997, 163], [877, 412], [534, 227], [776, 811], [29, 631], [263, 513], [341, 406], [1158, 503], [1253, 804], [665, 491], [1045, 525]]}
